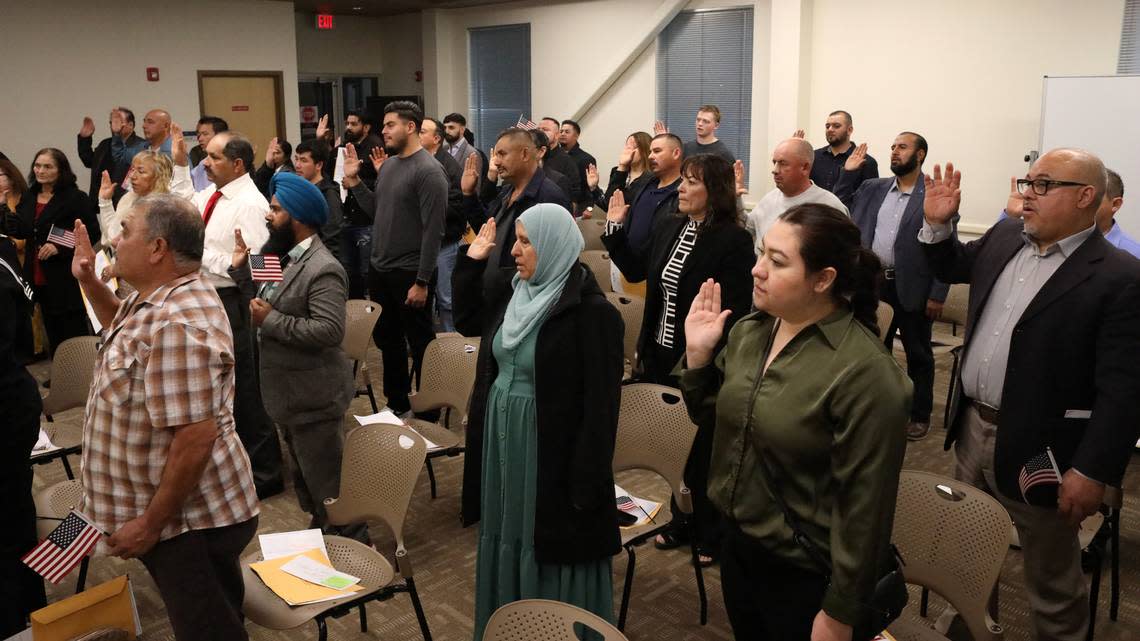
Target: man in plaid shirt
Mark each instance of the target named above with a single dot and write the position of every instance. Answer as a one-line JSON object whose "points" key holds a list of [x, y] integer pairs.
{"points": [[163, 470]]}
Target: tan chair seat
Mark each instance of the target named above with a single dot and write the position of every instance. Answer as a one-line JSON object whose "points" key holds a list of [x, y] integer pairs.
{"points": [[444, 438], [54, 502], [913, 628]]}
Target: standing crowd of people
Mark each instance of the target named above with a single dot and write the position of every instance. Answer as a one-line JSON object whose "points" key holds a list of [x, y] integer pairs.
{"points": [[765, 321]]}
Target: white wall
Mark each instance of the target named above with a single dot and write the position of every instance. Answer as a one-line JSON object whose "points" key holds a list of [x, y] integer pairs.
{"points": [[71, 58], [389, 47]]}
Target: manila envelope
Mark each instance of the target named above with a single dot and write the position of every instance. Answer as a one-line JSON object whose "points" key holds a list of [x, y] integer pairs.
{"points": [[107, 605]]}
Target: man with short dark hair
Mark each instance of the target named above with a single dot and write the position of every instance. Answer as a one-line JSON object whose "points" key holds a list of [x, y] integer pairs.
{"points": [[356, 238], [409, 205], [558, 166], [568, 138], [655, 198], [828, 166], [706, 142], [234, 202], [309, 163], [122, 124], [454, 224], [888, 212], [163, 471], [455, 133], [278, 158], [207, 128]]}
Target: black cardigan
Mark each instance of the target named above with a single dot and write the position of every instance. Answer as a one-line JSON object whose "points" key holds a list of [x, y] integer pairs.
{"points": [[578, 370], [61, 294], [723, 252]]}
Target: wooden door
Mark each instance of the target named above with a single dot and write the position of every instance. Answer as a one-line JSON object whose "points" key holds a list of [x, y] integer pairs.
{"points": [[251, 102]]}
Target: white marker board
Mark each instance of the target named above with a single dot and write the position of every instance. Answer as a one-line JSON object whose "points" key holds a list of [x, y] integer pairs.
{"points": [[1100, 114]]}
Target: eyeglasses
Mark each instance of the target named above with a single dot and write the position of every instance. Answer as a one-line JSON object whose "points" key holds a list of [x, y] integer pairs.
{"points": [[1041, 186]]}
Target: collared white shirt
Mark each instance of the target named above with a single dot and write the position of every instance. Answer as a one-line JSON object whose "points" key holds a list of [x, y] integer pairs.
{"points": [[242, 206]]}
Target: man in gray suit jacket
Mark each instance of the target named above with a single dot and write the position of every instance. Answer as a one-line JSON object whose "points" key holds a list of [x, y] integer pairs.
{"points": [[888, 212], [306, 380]]}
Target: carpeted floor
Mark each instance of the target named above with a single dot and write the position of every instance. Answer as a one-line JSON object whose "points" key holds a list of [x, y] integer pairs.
{"points": [[664, 604]]}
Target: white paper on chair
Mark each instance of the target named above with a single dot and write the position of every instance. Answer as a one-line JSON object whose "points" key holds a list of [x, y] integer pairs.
{"points": [[388, 417], [44, 444], [279, 544], [643, 509], [318, 573]]}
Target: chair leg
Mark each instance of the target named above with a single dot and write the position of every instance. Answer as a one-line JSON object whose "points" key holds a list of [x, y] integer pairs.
{"points": [[700, 584], [82, 574], [67, 468], [1114, 533], [418, 608], [322, 629], [922, 605], [431, 477], [628, 588], [1094, 589], [371, 397], [363, 619]]}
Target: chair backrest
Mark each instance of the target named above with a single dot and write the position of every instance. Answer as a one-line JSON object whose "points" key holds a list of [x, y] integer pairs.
{"points": [[359, 319], [654, 433], [883, 316], [592, 230], [599, 262], [447, 374], [533, 619], [72, 369], [54, 502], [378, 473], [954, 309], [355, 558], [953, 539], [632, 310]]}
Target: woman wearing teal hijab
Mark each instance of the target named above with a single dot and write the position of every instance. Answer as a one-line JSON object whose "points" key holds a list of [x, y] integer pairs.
{"points": [[543, 419]]}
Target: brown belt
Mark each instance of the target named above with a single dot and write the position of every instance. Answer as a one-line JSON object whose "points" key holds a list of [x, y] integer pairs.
{"points": [[988, 413]]}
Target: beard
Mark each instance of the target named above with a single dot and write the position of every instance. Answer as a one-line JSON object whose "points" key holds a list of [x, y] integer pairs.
{"points": [[280, 240], [353, 138], [905, 167], [451, 139]]}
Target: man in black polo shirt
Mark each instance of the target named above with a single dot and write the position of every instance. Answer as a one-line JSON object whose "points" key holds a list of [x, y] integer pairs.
{"points": [[568, 136], [829, 160]]}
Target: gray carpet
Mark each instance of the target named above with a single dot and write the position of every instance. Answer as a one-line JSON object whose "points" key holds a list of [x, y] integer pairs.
{"points": [[664, 604]]}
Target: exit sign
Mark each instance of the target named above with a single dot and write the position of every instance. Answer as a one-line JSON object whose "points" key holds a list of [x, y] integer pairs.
{"points": [[325, 21]]}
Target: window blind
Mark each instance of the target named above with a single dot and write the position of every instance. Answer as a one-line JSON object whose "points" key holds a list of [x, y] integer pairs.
{"points": [[499, 63], [1129, 62]]}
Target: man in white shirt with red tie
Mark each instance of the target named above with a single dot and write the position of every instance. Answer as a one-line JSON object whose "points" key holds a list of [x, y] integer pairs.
{"points": [[232, 202]]}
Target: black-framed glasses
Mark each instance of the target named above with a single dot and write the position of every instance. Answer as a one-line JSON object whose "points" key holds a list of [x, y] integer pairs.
{"points": [[1041, 186]]}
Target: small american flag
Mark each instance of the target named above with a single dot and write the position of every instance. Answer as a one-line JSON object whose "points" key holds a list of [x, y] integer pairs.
{"points": [[64, 548], [626, 504], [265, 267], [62, 237], [526, 123], [1039, 470]]}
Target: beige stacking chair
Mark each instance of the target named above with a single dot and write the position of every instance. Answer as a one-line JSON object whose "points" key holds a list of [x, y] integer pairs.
{"points": [[599, 262], [592, 230], [53, 503], [72, 370], [378, 474], [544, 620], [883, 317], [632, 310], [447, 377], [360, 318], [953, 539], [655, 434]]}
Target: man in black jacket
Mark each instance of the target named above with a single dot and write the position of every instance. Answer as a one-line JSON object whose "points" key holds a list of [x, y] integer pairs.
{"points": [[309, 163], [356, 236], [278, 157], [654, 198], [1044, 413], [568, 138], [99, 159], [524, 185], [454, 222], [555, 159], [558, 177], [830, 160]]}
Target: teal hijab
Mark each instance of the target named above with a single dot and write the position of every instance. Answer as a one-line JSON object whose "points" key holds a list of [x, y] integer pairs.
{"points": [[557, 241]]}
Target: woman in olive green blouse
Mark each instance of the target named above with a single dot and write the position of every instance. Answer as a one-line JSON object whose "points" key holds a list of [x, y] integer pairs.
{"points": [[806, 384]]}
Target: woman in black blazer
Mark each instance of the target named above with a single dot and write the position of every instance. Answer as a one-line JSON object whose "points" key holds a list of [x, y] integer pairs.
{"points": [[53, 199], [705, 241]]}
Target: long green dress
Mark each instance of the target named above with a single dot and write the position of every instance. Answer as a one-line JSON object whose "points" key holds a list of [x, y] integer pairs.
{"points": [[506, 569]]}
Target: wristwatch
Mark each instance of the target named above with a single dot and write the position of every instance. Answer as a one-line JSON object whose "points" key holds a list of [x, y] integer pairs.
{"points": [[421, 282]]}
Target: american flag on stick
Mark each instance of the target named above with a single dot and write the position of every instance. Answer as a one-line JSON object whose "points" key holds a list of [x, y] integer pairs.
{"points": [[526, 123], [626, 504], [62, 237], [265, 267], [1039, 470], [64, 548]]}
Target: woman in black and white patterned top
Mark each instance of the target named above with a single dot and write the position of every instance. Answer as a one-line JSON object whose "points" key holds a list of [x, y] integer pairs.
{"points": [[705, 240]]}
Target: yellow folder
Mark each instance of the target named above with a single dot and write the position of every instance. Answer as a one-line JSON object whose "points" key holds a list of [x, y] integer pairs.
{"points": [[107, 605], [294, 590]]}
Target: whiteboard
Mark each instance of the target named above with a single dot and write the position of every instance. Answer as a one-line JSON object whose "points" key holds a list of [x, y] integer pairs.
{"points": [[1098, 114]]}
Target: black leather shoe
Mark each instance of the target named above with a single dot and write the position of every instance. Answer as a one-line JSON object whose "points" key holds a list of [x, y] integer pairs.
{"points": [[269, 490]]}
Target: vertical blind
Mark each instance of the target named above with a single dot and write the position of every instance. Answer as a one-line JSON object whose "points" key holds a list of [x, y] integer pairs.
{"points": [[705, 57], [1129, 62], [499, 62]]}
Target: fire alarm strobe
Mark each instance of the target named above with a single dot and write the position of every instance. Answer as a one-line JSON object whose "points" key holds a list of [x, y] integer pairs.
{"points": [[152, 74]]}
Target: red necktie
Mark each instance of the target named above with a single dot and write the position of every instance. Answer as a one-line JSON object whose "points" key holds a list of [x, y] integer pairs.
{"points": [[210, 208]]}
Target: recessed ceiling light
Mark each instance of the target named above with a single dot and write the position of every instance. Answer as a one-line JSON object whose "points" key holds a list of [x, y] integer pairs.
{"points": [[358, 8]]}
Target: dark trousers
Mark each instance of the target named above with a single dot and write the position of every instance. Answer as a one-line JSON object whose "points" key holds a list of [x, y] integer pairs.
{"points": [[914, 329], [61, 326], [766, 598], [21, 590], [355, 249], [657, 363], [254, 427], [398, 327], [316, 449], [198, 574]]}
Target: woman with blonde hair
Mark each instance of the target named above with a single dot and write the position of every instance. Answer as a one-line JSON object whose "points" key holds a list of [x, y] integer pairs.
{"points": [[150, 173]]}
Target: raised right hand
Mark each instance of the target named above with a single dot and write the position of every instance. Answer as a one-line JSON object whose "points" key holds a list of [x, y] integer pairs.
{"points": [[484, 241], [617, 210], [178, 152], [83, 260], [323, 127], [106, 187], [378, 156], [88, 128], [857, 158], [470, 176], [799, 133], [943, 196], [116, 122], [1015, 205], [704, 325], [592, 176], [241, 251], [660, 128], [351, 165], [626, 157]]}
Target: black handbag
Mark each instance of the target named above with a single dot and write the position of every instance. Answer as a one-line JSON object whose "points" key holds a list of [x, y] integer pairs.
{"points": [[890, 595]]}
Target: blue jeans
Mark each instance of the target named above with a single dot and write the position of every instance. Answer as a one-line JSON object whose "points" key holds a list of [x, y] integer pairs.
{"points": [[445, 264], [355, 252]]}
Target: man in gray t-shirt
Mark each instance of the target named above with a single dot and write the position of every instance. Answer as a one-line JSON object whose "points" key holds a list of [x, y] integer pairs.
{"points": [[409, 207], [708, 121]]}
